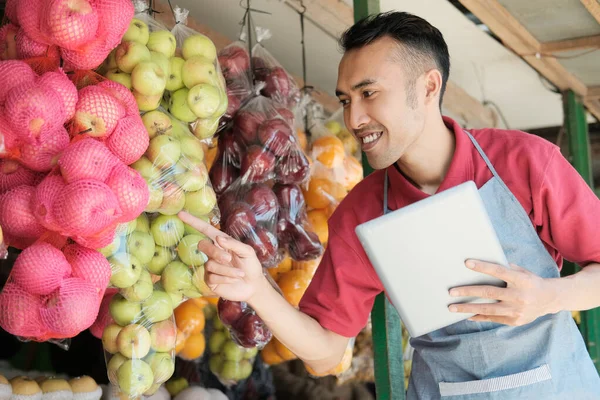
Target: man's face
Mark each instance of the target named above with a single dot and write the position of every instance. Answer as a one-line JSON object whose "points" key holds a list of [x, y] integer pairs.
{"points": [[382, 107]]}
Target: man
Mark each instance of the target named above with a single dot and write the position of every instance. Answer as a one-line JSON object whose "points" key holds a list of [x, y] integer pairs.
{"points": [[525, 346]]}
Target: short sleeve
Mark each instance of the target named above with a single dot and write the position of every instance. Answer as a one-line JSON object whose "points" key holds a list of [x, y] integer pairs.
{"points": [[567, 212], [342, 292]]}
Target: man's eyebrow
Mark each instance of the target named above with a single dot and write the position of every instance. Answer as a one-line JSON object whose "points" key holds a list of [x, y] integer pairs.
{"points": [[359, 85]]}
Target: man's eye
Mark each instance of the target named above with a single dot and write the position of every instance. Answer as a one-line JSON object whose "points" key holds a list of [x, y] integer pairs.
{"points": [[368, 93], [344, 102]]}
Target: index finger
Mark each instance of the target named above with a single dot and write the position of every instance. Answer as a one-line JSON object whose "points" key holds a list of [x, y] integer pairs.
{"points": [[495, 270], [202, 226]]}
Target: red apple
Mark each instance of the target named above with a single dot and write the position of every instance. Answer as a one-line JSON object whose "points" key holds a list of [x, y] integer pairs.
{"points": [[222, 174], [226, 202], [258, 164], [290, 197], [265, 244], [277, 84], [246, 123], [305, 245], [287, 115], [263, 202], [231, 147], [293, 168], [261, 69], [234, 61], [251, 331], [230, 311], [233, 103], [276, 135], [285, 227], [241, 220]]}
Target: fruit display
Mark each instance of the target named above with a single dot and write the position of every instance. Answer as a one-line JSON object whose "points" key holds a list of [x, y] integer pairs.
{"points": [[196, 87], [198, 393], [190, 321], [278, 83], [231, 355], [46, 387], [235, 66], [81, 33]]}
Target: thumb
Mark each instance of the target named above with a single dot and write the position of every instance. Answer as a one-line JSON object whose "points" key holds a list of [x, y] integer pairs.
{"points": [[238, 248]]}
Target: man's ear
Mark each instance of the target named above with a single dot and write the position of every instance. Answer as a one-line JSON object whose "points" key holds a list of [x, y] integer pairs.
{"points": [[433, 86]]}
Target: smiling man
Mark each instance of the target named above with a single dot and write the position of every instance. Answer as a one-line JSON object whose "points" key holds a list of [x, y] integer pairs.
{"points": [[525, 346]]}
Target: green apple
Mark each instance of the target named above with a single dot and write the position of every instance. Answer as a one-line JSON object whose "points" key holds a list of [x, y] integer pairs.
{"points": [[163, 62], [140, 290], [111, 248], [198, 45], [134, 341], [156, 196], [123, 311], [232, 351], [162, 256], [153, 389], [146, 168], [333, 126], [162, 365], [163, 336], [190, 176], [204, 100], [109, 338], [164, 151], [206, 127], [126, 269], [200, 202], [231, 371], [113, 366], [143, 224], [178, 106], [198, 281], [217, 324], [141, 246], [191, 147], [175, 79], [157, 307], [216, 342], [249, 354], [167, 230], [111, 61], [162, 42], [246, 369], [156, 123], [198, 70], [134, 377], [137, 32], [130, 54], [180, 129], [173, 199], [215, 364], [176, 298], [177, 277], [128, 227], [118, 76], [175, 386], [147, 103], [188, 252], [148, 79]]}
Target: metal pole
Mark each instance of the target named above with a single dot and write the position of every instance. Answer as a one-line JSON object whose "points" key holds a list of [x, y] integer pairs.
{"points": [[579, 149]]}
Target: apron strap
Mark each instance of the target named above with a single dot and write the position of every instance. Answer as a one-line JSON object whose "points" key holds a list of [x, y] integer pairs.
{"points": [[483, 155], [385, 193]]}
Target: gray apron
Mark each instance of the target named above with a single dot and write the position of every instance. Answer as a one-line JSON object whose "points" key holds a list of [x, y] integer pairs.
{"points": [[546, 359]]}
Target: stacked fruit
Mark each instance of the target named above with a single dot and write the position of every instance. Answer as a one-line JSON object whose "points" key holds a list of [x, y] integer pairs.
{"points": [[197, 87], [229, 361], [80, 32], [190, 320], [43, 387], [235, 65], [278, 83]]}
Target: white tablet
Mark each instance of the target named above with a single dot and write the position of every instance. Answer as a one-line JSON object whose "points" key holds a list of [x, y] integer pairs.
{"points": [[419, 253]]}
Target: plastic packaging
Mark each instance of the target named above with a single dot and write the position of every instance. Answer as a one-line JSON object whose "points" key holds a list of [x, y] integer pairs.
{"points": [[197, 92], [191, 321], [235, 66]]}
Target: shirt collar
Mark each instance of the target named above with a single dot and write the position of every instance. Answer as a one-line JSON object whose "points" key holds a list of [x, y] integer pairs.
{"points": [[403, 193]]}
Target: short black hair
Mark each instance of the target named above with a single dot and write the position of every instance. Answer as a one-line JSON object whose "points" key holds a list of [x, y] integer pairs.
{"points": [[422, 42]]}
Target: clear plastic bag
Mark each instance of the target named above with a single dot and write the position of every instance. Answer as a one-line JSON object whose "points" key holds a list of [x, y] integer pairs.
{"points": [[235, 66], [197, 94], [278, 83], [191, 321]]}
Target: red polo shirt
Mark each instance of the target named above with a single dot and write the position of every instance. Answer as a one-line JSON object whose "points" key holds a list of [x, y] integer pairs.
{"points": [[563, 209]]}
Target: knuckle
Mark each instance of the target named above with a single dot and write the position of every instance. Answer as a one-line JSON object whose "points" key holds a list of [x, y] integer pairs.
{"points": [[488, 292], [499, 270]]}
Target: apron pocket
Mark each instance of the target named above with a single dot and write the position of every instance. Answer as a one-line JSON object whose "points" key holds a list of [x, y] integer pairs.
{"points": [[536, 375]]}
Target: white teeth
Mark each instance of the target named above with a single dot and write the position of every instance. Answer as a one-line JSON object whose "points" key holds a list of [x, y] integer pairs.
{"points": [[371, 137]]}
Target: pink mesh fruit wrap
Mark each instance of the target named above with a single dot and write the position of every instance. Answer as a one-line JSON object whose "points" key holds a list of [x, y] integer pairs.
{"points": [[20, 312], [129, 140], [86, 159], [122, 94], [40, 269], [70, 28], [97, 104], [13, 174], [42, 157], [46, 194], [16, 216], [99, 240], [12, 74], [61, 83], [104, 317], [131, 191], [89, 265]]}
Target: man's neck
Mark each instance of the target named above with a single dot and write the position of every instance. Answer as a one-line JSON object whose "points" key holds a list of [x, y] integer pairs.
{"points": [[427, 161]]}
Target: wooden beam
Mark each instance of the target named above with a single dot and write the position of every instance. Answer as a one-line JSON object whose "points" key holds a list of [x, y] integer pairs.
{"points": [[165, 16], [335, 16], [571, 44], [593, 8], [516, 37], [593, 92], [593, 106]]}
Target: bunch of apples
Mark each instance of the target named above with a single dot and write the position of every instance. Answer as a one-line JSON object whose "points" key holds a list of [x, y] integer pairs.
{"points": [[234, 61], [278, 83], [81, 32], [53, 293], [229, 361]]}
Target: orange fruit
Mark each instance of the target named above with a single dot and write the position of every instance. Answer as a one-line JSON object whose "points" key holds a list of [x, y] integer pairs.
{"points": [[199, 301], [313, 372], [344, 364], [302, 141], [214, 300], [329, 151], [284, 266], [269, 354], [308, 266], [180, 341], [189, 318], [293, 284], [318, 221], [283, 351], [209, 157], [323, 192], [353, 172], [194, 347]]}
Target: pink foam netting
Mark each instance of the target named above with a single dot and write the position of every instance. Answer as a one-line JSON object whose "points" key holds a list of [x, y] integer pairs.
{"points": [[14, 73], [29, 13], [59, 81], [20, 312], [8, 42], [86, 159], [122, 94], [42, 157], [129, 140], [97, 102], [89, 265], [40, 269], [131, 191], [42, 204], [68, 28], [114, 19], [104, 319], [16, 216], [13, 174]]}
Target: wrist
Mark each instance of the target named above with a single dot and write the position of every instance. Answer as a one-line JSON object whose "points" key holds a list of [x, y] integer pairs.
{"points": [[558, 290], [262, 290]]}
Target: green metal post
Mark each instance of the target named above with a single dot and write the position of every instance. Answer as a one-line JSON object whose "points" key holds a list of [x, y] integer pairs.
{"points": [[387, 329], [579, 149]]}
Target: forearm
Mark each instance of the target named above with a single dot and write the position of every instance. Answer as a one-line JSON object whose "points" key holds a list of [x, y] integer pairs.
{"points": [[304, 336], [579, 291]]}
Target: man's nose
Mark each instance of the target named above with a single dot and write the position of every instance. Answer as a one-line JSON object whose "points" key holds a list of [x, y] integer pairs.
{"points": [[358, 116]]}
